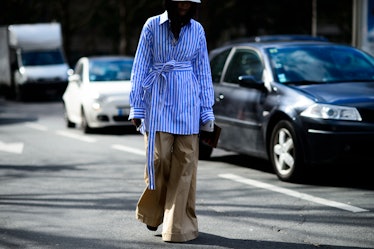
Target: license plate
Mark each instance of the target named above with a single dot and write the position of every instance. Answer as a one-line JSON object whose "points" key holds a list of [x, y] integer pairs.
{"points": [[123, 111]]}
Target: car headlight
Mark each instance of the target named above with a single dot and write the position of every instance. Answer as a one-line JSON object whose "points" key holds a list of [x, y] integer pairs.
{"points": [[21, 75], [324, 111], [96, 105], [97, 102]]}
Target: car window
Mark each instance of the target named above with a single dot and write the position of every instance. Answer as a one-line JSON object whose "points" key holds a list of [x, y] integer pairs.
{"points": [[37, 58], [319, 64], [350, 61], [244, 62], [114, 70], [217, 63]]}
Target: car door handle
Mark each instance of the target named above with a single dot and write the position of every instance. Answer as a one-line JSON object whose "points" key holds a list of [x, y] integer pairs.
{"points": [[220, 97]]}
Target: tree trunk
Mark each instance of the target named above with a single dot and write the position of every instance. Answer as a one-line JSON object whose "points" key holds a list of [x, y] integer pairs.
{"points": [[122, 27]]}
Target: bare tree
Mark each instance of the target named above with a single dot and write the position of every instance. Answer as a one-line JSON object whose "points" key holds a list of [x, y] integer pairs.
{"points": [[122, 27]]}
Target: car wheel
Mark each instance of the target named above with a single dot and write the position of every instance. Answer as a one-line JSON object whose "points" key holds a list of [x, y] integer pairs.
{"points": [[285, 153], [84, 123], [68, 123], [205, 151]]}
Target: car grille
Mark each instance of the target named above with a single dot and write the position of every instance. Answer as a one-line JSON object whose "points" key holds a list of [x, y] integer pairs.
{"points": [[103, 118], [367, 115], [122, 118]]}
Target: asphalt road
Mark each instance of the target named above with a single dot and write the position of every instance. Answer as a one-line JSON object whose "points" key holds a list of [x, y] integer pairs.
{"points": [[60, 188]]}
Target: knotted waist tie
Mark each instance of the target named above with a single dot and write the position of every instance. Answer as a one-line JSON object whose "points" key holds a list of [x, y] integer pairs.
{"points": [[158, 76]]}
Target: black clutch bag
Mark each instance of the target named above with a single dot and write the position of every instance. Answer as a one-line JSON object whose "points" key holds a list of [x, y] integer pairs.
{"points": [[211, 138]]}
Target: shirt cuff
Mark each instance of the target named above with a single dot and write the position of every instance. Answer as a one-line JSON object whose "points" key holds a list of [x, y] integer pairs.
{"points": [[136, 113], [206, 114]]}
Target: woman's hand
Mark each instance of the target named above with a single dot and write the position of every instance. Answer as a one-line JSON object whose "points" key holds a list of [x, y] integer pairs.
{"points": [[136, 121]]}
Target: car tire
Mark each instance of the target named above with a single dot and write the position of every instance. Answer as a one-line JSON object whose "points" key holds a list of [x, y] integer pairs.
{"points": [[84, 123], [68, 123], [205, 151], [285, 152]]}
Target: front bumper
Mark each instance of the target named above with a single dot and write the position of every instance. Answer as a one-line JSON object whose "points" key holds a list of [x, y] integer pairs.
{"points": [[340, 141], [112, 115]]}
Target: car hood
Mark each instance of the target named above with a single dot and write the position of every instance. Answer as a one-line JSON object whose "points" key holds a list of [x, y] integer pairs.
{"points": [[352, 93], [109, 88]]}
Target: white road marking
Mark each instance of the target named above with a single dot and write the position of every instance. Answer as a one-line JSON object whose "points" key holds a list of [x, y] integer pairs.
{"points": [[36, 126], [75, 136], [128, 149], [293, 193], [16, 148]]}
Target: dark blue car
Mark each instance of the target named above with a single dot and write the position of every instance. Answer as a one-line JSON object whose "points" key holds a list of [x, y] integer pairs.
{"points": [[296, 103]]}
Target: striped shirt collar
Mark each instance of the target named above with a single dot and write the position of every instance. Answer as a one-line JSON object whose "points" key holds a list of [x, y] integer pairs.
{"points": [[164, 17]]}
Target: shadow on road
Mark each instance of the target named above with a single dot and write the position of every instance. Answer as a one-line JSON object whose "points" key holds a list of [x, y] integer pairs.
{"points": [[18, 238], [349, 174], [222, 242], [115, 130]]}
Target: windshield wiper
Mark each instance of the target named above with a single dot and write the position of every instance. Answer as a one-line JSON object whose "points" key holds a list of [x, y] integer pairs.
{"points": [[303, 82]]}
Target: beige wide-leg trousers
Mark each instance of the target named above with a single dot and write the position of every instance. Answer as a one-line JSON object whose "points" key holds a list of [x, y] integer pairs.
{"points": [[172, 203]]}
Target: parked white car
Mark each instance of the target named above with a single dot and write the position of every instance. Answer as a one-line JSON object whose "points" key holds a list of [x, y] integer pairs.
{"points": [[98, 93]]}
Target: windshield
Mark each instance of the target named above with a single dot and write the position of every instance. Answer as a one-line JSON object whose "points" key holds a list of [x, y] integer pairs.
{"points": [[41, 58], [319, 64], [110, 70]]}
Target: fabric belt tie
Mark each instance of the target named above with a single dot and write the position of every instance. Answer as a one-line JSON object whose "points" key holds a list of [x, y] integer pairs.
{"points": [[158, 76]]}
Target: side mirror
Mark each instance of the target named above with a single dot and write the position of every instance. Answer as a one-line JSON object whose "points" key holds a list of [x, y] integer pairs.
{"points": [[70, 72], [74, 78]]}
